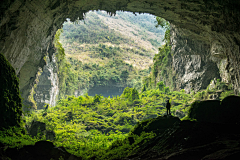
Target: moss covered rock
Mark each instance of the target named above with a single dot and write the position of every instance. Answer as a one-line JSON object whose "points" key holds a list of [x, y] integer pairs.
{"points": [[10, 100]]}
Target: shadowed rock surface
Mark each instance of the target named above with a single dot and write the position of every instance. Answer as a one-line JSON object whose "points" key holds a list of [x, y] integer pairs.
{"points": [[42, 150], [10, 99], [192, 140], [215, 111], [47, 88]]}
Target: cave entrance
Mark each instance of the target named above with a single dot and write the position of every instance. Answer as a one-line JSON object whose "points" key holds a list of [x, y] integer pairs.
{"points": [[28, 28], [108, 53]]}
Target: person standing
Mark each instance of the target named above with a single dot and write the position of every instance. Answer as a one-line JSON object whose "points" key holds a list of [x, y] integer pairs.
{"points": [[168, 106]]}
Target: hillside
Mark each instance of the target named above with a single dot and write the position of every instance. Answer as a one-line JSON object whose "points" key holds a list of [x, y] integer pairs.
{"points": [[107, 53], [137, 39]]}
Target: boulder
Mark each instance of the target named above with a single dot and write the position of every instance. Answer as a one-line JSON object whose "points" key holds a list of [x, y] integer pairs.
{"points": [[157, 125], [50, 135], [215, 111], [40, 127], [205, 111], [41, 150], [37, 127], [179, 114], [231, 109]]}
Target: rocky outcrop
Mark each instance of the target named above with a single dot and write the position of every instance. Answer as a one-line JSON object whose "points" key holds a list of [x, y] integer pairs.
{"points": [[206, 138], [41, 150], [191, 62], [37, 127], [156, 125], [215, 112], [28, 28], [10, 99], [40, 128], [47, 88]]}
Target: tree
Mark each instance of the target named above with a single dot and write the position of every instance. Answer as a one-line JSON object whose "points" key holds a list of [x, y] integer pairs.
{"points": [[160, 85], [134, 95], [166, 90], [97, 98], [124, 75], [127, 92], [164, 24], [144, 88]]}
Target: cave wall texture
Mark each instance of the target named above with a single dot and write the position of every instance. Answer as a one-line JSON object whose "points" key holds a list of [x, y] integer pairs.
{"points": [[28, 28], [10, 99], [47, 88], [192, 62]]}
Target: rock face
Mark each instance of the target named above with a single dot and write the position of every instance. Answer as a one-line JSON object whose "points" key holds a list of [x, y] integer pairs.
{"points": [[10, 100], [191, 62], [28, 28], [47, 88], [37, 127]]}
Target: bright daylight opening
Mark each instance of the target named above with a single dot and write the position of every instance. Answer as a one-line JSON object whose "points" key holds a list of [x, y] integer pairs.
{"points": [[109, 53]]}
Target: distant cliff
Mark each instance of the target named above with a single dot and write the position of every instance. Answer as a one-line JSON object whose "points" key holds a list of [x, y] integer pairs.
{"points": [[47, 89]]}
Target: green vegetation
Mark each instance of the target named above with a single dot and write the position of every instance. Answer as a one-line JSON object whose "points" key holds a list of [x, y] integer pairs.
{"points": [[75, 75], [216, 88], [96, 24], [162, 69], [85, 124], [16, 137], [97, 55], [10, 100], [98, 126]]}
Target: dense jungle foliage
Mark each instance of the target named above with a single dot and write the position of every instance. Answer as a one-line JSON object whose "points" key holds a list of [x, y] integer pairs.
{"points": [[88, 126]]}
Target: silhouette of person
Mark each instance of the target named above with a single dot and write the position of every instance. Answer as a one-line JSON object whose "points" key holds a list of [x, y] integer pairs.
{"points": [[46, 108], [168, 106]]}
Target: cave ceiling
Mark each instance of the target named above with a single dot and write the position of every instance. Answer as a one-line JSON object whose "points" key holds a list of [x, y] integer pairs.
{"points": [[28, 27]]}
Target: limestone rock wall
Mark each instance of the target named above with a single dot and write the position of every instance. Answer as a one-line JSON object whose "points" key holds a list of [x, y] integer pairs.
{"points": [[47, 89], [191, 61], [27, 28]]}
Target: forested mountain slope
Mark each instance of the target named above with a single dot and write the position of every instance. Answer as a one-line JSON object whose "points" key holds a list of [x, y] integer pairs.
{"points": [[108, 53], [135, 35]]}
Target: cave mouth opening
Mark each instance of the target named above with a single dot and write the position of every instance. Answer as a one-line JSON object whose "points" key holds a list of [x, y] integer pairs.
{"points": [[184, 14], [100, 39]]}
